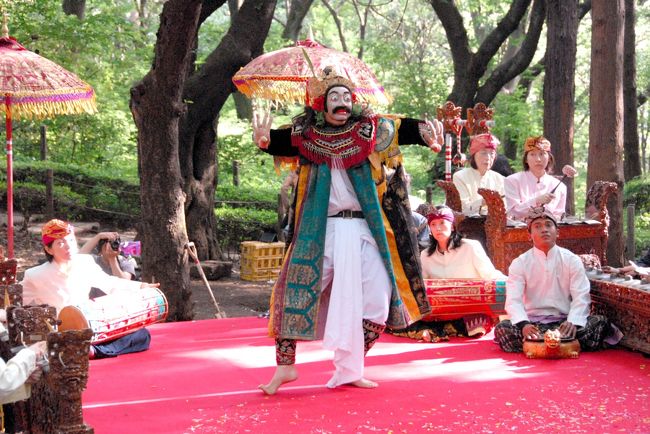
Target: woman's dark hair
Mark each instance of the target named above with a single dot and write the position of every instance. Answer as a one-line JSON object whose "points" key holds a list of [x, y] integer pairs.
{"points": [[472, 161], [454, 239], [47, 255], [549, 166]]}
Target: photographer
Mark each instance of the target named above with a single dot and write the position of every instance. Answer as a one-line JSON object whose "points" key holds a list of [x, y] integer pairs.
{"points": [[108, 256]]}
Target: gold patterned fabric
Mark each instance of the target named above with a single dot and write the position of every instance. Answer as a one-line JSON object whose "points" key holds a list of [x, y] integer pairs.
{"points": [[54, 230], [537, 143]]}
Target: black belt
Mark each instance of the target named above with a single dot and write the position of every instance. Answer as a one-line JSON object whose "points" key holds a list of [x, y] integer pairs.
{"points": [[348, 214]]}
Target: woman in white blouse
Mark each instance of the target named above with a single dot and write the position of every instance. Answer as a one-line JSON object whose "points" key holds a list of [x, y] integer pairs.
{"points": [[483, 153], [535, 187], [450, 256]]}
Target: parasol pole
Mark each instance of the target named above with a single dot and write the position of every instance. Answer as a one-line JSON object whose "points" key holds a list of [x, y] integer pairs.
{"points": [[10, 180]]}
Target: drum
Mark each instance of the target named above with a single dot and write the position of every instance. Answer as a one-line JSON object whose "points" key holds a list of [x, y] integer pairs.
{"points": [[117, 314], [455, 298]]}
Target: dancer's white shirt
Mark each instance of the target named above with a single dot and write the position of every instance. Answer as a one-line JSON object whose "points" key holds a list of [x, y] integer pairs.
{"points": [[360, 285]]}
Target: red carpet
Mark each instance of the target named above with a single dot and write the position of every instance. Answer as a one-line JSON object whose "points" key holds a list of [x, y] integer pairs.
{"points": [[202, 377]]}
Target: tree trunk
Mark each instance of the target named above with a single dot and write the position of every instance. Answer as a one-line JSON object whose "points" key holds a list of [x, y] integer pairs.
{"points": [[74, 7], [606, 112], [197, 149], [631, 163], [559, 84], [297, 13], [157, 105]]}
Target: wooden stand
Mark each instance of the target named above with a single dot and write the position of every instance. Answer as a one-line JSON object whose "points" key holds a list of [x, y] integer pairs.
{"points": [[55, 402], [628, 308]]}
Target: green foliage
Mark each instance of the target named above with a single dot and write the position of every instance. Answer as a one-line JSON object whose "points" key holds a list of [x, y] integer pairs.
{"points": [[29, 198], [516, 118], [260, 196], [235, 225], [642, 233], [637, 193], [79, 192]]}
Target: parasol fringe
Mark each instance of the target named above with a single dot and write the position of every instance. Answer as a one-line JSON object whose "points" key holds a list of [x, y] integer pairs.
{"points": [[287, 92], [36, 109]]}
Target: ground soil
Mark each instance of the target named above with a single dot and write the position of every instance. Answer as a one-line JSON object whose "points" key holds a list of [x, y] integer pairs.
{"points": [[235, 297]]}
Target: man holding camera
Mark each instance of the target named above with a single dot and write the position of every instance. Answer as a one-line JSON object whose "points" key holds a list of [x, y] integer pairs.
{"points": [[108, 256]]}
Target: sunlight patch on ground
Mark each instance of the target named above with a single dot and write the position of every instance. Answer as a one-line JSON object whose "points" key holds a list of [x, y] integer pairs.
{"points": [[459, 371]]}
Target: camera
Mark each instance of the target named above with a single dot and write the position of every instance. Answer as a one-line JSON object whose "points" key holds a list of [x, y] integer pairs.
{"points": [[115, 244]]}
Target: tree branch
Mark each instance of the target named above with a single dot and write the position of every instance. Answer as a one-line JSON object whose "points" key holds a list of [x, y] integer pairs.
{"points": [[208, 7], [520, 61], [495, 39], [583, 9], [452, 22], [297, 12], [339, 25]]}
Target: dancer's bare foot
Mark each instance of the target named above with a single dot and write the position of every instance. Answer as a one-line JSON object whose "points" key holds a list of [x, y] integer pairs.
{"points": [[283, 374], [365, 384]]}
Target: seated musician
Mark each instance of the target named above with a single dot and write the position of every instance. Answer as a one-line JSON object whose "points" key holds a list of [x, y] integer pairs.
{"points": [[547, 288], [451, 256], [66, 279], [535, 186], [20, 370], [483, 153]]}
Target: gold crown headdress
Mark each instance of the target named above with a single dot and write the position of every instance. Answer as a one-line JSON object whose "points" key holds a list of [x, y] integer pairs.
{"points": [[317, 86]]}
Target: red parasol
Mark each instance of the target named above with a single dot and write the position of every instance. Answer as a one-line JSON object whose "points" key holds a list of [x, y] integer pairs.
{"points": [[281, 75], [32, 86]]}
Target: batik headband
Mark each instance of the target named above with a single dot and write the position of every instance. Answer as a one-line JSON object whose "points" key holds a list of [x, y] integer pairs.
{"points": [[538, 213], [54, 230], [483, 141], [443, 213], [537, 143]]}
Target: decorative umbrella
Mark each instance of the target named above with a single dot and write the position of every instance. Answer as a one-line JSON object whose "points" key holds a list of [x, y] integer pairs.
{"points": [[281, 75], [32, 86]]}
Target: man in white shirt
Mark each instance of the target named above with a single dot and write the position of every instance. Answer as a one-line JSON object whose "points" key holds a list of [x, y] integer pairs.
{"points": [[67, 278], [547, 288]]}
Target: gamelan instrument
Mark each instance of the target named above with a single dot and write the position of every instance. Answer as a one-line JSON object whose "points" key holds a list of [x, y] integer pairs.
{"points": [[117, 314], [455, 298]]}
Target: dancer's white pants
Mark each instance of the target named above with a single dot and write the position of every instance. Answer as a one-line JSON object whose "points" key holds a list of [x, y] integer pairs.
{"points": [[360, 290]]}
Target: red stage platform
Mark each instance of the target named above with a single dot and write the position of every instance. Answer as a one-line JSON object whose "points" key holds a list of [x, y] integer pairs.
{"points": [[202, 377]]}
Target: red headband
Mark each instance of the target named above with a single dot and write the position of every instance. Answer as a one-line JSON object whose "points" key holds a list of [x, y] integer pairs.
{"points": [[442, 213], [483, 141]]}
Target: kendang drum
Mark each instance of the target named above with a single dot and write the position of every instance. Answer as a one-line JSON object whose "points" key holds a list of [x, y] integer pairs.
{"points": [[455, 298], [117, 314]]}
